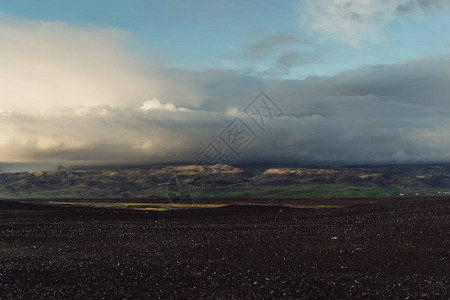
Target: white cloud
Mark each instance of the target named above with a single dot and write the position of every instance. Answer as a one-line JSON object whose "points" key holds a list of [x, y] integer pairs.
{"points": [[352, 21], [155, 104]]}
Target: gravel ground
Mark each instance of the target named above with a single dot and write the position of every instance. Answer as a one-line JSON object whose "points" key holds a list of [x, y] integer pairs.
{"points": [[387, 249]]}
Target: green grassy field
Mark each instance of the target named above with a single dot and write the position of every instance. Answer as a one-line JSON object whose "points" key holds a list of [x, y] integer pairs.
{"points": [[297, 190]]}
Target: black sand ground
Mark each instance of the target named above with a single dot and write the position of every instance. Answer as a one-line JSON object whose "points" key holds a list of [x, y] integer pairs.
{"points": [[394, 248]]}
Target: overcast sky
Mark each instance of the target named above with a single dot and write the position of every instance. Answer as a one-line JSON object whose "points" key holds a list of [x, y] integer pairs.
{"points": [[136, 82]]}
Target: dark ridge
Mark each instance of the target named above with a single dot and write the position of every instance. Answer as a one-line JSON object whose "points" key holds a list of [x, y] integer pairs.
{"points": [[14, 205]]}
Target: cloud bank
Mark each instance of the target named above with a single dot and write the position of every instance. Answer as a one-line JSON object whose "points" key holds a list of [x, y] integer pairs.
{"points": [[73, 95]]}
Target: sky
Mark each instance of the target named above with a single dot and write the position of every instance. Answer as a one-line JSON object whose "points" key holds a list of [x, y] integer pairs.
{"points": [[138, 82]]}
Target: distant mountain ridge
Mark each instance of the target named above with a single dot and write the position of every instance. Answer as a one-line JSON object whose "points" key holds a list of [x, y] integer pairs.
{"points": [[245, 180]]}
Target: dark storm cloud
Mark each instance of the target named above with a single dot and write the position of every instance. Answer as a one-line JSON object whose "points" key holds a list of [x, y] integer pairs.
{"points": [[380, 114]]}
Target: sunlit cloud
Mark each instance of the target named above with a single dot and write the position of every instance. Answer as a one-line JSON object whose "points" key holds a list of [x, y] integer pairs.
{"points": [[156, 105]]}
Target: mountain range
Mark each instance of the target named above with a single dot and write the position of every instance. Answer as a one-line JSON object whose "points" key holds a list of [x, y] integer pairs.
{"points": [[227, 181]]}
